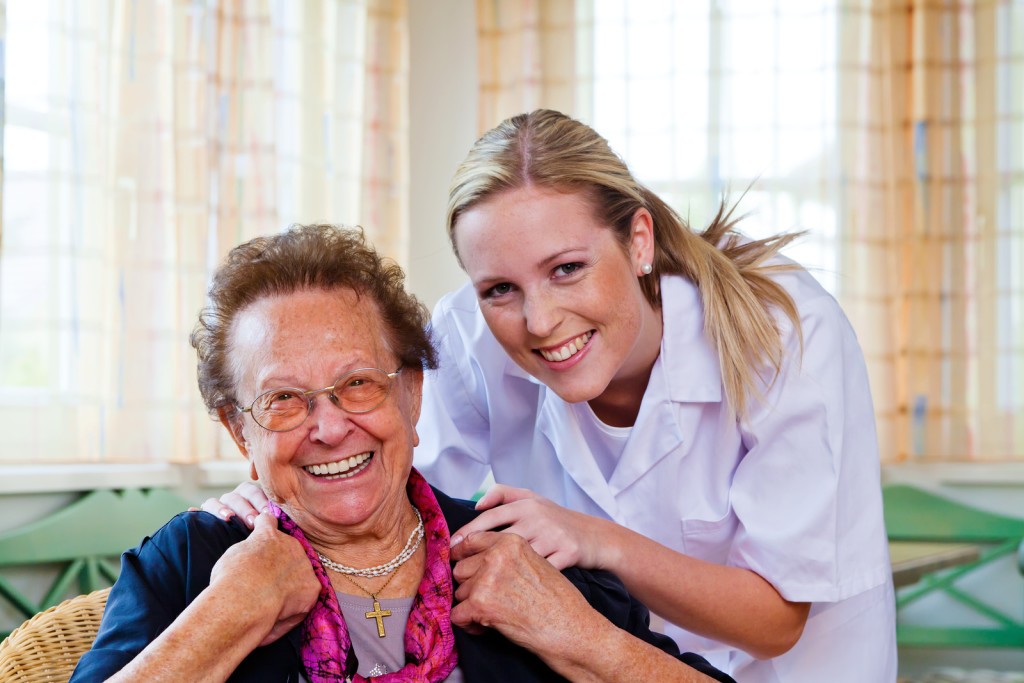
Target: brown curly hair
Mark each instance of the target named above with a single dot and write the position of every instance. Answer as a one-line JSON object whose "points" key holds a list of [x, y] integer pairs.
{"points": [[305, 257]]}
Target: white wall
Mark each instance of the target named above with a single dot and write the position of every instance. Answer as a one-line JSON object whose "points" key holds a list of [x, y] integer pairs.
{"points": [[442, 126]]}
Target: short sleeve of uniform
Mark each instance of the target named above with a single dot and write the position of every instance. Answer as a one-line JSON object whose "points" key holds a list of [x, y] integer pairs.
{"points": [[807, 492], [454, 448]]}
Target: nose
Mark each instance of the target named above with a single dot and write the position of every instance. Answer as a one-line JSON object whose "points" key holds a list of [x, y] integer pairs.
{"points": [[540, 313], [328, 423]]}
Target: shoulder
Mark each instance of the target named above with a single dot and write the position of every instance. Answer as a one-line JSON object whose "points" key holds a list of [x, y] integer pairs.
{"points": [[603, 590], [809, 296], [458, 312], [817, 309], [462, 334], [197, 539], [158, 580], [201, 529], [456, 511]]}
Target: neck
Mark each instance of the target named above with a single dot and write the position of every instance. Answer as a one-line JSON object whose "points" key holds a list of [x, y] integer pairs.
{"points": [[619, 404], [397, 575], [367, 547]]}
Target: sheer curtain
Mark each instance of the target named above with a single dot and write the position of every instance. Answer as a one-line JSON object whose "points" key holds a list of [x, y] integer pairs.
{"points": [[933, 238], [528, 57], [142, 140], [890, 131]]}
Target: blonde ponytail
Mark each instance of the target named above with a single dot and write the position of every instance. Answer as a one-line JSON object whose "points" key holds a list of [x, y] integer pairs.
{"points": [[738, 295]]}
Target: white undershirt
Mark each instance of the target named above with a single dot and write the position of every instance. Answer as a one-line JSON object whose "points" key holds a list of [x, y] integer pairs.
{"points": [[606, 443]]}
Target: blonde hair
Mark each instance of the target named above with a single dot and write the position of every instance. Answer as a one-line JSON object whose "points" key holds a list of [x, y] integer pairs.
{"points": [[548, 149]]}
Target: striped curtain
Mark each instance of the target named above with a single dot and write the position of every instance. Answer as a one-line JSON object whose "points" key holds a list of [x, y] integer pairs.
{"points": [[933, 238], [144, 140], [528, 57], [891, 130]]}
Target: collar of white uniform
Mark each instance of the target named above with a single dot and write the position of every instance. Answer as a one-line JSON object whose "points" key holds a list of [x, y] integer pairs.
{"points": [[688, 358]]}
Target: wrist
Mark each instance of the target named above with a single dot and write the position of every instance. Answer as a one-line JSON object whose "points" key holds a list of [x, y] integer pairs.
{"points": [[608, 553], [593, 651], [251, 611]]}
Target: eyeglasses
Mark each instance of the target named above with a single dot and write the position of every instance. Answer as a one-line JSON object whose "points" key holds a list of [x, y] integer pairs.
{"points": [[359, 391]]}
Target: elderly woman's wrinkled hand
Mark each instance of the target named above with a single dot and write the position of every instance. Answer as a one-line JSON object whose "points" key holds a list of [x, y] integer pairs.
{"points": [[273, 574], [505, 585]]}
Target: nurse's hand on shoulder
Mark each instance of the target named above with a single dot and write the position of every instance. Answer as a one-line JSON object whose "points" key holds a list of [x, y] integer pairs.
{"points": [[505, 585], [245, 502], [566, 538], [269, 577]]}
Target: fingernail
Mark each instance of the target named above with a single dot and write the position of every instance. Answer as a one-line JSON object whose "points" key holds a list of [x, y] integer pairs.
{"points": [[456, 539], [225, 513], [250, 520]]}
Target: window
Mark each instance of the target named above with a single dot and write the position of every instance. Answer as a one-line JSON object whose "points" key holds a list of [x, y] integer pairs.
{"points": [[141, 142], [708, 97]]}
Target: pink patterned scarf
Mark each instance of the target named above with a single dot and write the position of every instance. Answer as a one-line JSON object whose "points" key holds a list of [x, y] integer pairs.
{"points": [[327, 652]]}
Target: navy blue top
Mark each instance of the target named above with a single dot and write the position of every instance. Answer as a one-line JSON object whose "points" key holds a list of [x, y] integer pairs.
{"points": [[166, 572]]}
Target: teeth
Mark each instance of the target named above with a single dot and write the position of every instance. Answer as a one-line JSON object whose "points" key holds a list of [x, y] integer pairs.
{"points": [[568, 350], [343, 468]]}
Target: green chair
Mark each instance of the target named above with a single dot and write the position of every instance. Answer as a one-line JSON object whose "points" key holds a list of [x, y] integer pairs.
{"points": [[84, 540], [912, 514]]}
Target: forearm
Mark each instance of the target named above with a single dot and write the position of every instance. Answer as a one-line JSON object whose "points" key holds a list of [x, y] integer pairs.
{"points": [[205, 643], [728, 604], [595, 651]]}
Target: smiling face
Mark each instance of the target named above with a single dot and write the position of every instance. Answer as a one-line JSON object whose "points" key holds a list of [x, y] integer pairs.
{"points": [[308, 339], [562, 296]]}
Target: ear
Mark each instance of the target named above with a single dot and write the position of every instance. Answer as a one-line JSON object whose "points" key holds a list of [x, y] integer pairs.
{"points": [[232, 421], [411, 384], [641, 240]]}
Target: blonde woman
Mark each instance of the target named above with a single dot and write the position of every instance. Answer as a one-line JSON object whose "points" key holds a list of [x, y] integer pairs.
{"points": [[690, 411]]}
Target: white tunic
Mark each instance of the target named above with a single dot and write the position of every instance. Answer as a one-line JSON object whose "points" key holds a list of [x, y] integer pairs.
{"points": [[793, 494]]}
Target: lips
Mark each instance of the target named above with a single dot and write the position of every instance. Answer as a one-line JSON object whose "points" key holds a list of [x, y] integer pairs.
{"points": [[341, 469], [567, 350]]}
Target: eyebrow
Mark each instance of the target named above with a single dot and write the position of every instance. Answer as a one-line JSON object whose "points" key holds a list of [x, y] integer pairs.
{"points": [[545, 262], [275, 381]]}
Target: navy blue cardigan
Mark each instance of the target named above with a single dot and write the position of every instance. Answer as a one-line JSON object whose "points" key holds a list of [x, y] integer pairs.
{"points": [[166, 572]]}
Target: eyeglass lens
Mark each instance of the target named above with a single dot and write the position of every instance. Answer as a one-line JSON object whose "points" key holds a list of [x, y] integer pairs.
{"points": [[357, 392]]}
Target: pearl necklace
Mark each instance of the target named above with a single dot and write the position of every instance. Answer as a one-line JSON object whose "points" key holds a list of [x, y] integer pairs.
{"points": [[411, 546]]}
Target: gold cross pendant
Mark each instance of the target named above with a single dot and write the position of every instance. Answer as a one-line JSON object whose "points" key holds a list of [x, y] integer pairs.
{"points": [[379, 615]]}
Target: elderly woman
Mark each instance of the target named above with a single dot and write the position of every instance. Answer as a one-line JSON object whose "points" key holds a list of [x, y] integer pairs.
{"points": [[348, 576]]}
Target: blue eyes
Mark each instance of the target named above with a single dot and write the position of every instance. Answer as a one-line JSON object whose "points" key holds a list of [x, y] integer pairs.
{"points": [[559, 272], [498, 290]]}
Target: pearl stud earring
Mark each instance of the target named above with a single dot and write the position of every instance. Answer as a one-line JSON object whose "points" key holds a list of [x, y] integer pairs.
{"points": [[646, 268]]}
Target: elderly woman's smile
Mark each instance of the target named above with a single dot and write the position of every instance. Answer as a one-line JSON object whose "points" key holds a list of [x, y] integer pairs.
{"points": [[340, 469]]}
